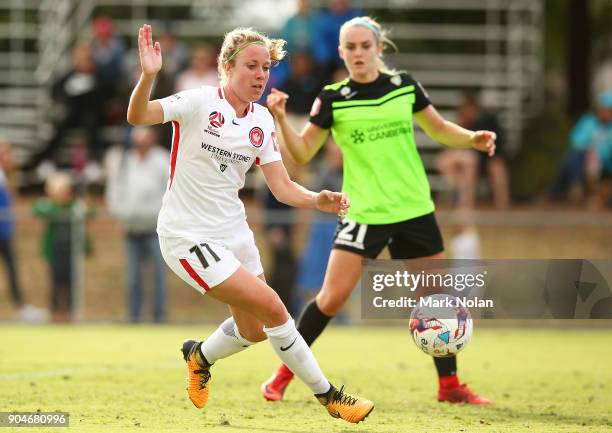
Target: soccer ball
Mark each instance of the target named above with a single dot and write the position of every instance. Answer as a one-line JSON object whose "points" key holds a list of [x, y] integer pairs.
{"points": [[440, 331]]}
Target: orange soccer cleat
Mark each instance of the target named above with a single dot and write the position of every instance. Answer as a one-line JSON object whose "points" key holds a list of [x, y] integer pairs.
{"points": [[344, 406], [198, 373]]}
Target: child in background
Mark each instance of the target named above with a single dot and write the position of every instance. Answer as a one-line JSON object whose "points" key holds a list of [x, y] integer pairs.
{"points": [[63, 238]]}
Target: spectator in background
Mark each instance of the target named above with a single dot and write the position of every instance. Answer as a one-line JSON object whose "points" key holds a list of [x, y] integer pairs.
{"points": [[76, 105], [326, 36], [176, 60], [314, 259], [472, 115], [28, 313], [176, 54], [134, 195], [63, 240], [280, 218], [280, 222], [299, 31], [590, 157], [108, 51], [202, 70], [302, 84], [461, 167]]}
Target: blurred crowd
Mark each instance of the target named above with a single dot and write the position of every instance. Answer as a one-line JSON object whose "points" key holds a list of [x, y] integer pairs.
{"points": [[91, 97]]}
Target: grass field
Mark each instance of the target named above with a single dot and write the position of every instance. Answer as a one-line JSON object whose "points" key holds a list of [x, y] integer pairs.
{"points": [[132, 379]]}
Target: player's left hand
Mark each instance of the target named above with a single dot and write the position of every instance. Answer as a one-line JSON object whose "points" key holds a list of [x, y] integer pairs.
{"points": [[484, 141], [333, 202]]}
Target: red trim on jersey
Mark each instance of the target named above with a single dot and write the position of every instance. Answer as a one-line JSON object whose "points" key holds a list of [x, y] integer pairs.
{"points": [[220, 93], [176, 134], [252, 107], [274, 143], [193, 274], [257, 160]]}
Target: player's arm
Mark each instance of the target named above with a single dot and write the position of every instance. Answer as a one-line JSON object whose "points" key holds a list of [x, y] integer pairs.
{"points": [[300, 146], [452, 135], [293, 194], [141, 111]]}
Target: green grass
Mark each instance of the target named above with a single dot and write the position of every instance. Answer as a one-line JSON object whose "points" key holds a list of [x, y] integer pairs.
{"points": [[132, 379]]}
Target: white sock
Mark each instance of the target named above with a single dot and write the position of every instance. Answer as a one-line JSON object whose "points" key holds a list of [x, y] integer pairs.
{"points": [[295, 353], [225, 341]]}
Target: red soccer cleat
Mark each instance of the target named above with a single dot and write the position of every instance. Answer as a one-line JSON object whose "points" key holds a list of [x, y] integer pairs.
{"points": [[274, 388], [461, 394]]}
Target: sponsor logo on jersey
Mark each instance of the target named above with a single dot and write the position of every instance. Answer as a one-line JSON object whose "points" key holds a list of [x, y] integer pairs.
{"points": [[216, 119], [222, 167], [357, 136], [225, 157], [256, 136]]}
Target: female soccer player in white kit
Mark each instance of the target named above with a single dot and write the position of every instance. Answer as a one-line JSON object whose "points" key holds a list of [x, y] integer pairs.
{"points": [[219, 132]]}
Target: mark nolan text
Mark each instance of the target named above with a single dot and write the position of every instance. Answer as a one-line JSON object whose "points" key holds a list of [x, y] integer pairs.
{"points": [[450, 302]]}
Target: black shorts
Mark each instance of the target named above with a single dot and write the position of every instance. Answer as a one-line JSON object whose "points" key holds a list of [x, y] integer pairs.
{"points": [[411, 239]]}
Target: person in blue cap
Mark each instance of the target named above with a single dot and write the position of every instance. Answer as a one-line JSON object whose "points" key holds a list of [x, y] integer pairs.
{"points": [[589, 162]]}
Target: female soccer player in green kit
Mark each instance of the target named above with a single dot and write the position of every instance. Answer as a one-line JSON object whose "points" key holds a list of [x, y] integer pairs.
{"points": [[370, 116]]}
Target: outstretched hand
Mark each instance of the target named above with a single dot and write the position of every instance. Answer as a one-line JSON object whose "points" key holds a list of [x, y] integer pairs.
{"points": [[150, 54], [484, 141], [276, 102], [333, 202]]}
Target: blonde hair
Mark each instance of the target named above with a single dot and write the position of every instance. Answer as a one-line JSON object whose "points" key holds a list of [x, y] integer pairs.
{"points": [[240, 38], [380, 34]]}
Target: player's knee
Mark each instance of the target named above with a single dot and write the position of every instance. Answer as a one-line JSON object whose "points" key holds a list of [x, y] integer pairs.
{"points": [[273, 311]]}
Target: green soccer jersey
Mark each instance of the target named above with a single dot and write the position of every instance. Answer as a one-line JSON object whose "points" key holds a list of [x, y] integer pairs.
{"points": [[372, 123]]}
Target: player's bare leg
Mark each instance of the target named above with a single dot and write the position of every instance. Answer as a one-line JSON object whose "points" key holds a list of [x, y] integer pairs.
{"points": [[252, 299]]}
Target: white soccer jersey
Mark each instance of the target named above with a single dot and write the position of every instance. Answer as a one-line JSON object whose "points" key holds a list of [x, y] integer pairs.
{"points": [[212, 149]]}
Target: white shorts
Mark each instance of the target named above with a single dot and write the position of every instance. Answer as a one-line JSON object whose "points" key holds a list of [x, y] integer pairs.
{"points": [[205, 263]]}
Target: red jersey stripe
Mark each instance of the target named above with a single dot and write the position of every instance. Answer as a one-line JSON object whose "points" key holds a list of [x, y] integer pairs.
{"points": [[220, 93], [193, 274], [176, 134]]}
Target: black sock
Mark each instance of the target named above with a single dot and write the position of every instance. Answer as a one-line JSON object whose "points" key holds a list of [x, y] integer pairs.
{"points": [[312, 322], [446, 366], [324, 397]]}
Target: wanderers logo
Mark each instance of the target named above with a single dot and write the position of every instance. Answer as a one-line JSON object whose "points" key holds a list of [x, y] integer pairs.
{"points": [[256, 136]]}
